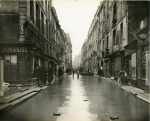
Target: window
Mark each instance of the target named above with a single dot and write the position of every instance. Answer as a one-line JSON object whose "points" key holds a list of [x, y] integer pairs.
{"points": [[39, 62], [37, 16], [147, 68], [114, 37], [107, 43], [114, 14], [133, 65], [7, 59], [0, 3], [114, 10], [42, 21], [32, 10], [121, 27], [12, 59], [103, 45], [46, 5]]}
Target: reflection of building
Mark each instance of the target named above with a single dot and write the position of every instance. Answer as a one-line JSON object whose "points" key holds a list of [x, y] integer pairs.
{"points": [[122, 39], [31, 38]]}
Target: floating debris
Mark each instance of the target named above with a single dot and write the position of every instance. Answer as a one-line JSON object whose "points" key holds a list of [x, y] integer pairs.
{"points": [[114, 117], [56, 114], [86, 100]]}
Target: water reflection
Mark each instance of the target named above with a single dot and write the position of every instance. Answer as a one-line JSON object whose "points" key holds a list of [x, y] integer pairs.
{"points": [[104, 100], [76, 108]]}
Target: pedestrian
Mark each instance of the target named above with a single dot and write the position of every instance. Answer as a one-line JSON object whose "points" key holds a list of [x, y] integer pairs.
{"points": [[99, 72], [60, 74], [120, 77], [78, 74], [73, 73], [124, 77]]}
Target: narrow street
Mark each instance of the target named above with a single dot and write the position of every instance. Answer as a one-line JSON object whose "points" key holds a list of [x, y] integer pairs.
{"points": [[84, 99]]}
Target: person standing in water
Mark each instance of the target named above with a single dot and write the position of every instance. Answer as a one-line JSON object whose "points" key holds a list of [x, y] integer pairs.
{"points": [[73, 73], [78, 74]]}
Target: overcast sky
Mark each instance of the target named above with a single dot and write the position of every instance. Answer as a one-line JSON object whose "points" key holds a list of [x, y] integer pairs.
{"points": [[75, 17]]}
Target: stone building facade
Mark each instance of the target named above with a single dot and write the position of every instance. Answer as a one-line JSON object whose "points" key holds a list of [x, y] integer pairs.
{"points": [[68, 53], [31, 38], [123, 40], [89, 49]]}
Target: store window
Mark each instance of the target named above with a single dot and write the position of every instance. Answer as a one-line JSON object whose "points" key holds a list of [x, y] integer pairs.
{"points": [[143, 64], [32, 10], [114, 37], [133, 65], [42, 22], [148, 68], [37, 16], [12, 59]]}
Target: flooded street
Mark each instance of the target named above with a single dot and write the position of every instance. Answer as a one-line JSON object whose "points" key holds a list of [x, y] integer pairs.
{"points": [[74, 60], [84, 99]]}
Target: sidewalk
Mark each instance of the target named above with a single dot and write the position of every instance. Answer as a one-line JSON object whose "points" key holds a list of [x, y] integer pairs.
{"points": [[17, 95], [139, 93]]}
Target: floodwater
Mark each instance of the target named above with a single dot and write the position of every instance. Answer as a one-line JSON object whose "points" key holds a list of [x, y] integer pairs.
{"points": [[85, 99]]}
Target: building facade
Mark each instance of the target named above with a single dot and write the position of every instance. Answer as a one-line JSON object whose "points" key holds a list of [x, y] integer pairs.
{"points": [[77, 62], [68, 53], [89, 51], [31, 38], [123, 40]]}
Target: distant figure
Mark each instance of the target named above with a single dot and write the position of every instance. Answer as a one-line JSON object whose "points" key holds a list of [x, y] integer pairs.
{"points": [[73, 73], [60, 74], [100, 72], [123, 77], [78, 73]]}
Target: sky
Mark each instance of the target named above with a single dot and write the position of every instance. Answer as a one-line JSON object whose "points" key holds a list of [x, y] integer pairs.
{"points": [[75, 17]]}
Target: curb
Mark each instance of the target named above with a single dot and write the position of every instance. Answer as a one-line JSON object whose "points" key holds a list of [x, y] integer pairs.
{"points": [[15, 96], [138, 95], [18, 98], [146, 100], [7, 105]]}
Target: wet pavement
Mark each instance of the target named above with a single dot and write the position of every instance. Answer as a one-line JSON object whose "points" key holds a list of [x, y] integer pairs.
{"points": [[83, 99]]}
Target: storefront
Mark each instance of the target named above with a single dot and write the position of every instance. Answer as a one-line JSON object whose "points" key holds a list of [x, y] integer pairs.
{"points": [[148, 68], [145, 67], [133, 67]]}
